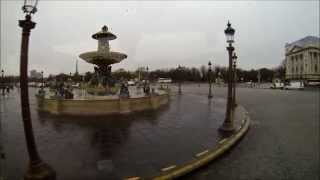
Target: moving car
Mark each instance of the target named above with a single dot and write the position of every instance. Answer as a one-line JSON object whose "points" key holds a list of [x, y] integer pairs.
{"points": [[277, 85], [294, 85]]}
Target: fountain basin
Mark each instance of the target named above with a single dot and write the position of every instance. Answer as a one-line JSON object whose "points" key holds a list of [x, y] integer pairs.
{"points": [[97, 58], [101, 105]]}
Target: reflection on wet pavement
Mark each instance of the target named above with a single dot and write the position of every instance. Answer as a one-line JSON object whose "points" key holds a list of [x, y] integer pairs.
{"points": [[117, 146]]}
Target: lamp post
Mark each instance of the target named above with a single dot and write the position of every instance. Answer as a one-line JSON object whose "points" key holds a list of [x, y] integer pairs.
{"points": [[234, 57], [300, 78], [210, 80], [219, 78], [2, 76], [42, 84], [2, 81], [180, 79], [37, 169], [259, 77], [147, 78], [227, 125]]}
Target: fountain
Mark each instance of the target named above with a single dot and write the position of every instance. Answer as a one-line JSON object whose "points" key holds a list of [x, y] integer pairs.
{"points": [[106, 95], [102, 83]]}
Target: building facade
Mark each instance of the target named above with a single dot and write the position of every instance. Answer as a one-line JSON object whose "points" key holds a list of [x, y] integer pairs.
{"points": [[303, 59]]}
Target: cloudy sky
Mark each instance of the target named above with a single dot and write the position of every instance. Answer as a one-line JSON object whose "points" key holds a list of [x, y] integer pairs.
{"points": [[156, 34]]}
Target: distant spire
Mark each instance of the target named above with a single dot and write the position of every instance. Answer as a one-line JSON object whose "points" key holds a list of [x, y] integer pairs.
{"points": [[77, 66]]}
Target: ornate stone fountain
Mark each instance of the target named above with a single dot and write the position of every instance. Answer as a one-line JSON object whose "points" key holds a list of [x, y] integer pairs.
{"points": [[103, 58], [101, 101]]}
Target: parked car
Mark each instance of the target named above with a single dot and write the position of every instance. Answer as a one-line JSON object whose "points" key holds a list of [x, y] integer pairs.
{"points": [[294, 85], [164, 80], [77, 85], [277, 85], [313, 84], [131, 83]]}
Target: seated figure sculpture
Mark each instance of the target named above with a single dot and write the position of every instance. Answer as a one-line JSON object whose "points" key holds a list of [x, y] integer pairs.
{"points": [[124, 91], [146, 88], [41, 92]]}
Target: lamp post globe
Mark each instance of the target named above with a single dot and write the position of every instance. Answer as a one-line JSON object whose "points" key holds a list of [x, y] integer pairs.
{"points": [[235, 57], [30, 6], [228, 125], [210, 80], [37, 169], [229, 32]]}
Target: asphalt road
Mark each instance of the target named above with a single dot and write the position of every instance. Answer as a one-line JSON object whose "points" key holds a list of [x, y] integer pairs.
{"points": [[283, 142]]}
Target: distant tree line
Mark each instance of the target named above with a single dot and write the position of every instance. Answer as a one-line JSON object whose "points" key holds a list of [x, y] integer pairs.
{"points": [[197, 74], [183, 74]]}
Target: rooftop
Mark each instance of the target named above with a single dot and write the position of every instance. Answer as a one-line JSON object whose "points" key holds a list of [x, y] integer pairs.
{"points": [[305, 41]]}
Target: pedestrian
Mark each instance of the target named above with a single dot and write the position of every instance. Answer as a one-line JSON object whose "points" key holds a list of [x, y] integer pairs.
{"points": [[3, 90]]}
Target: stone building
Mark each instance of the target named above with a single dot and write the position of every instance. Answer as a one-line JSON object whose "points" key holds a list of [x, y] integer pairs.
{"points": [[303, 59]]}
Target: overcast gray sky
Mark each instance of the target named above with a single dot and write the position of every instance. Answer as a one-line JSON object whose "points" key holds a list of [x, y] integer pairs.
{"points": [[156, 34]]}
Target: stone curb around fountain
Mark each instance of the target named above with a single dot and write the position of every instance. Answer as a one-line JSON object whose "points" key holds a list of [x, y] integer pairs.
{"points": [[203, 158], [114, 106]]}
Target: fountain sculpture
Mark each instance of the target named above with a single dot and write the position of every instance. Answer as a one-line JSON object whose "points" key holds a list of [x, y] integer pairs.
{"points": [[103, 58]]}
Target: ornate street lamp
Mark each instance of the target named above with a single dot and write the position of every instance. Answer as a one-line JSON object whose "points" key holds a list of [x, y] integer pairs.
{"points": [[180, 79], [147, 68], [2, 81], [227, 125], [37, 168], [147, 77], [234, 57], [70, 77], [210, 80]]}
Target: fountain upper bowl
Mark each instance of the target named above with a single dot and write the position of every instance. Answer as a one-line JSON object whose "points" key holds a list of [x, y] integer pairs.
{"points": [[97, 58]]}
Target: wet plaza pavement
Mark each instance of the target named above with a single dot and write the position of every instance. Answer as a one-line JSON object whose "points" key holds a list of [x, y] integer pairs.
{"points": [[282, 143], [116, 146]]}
